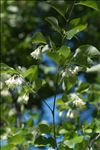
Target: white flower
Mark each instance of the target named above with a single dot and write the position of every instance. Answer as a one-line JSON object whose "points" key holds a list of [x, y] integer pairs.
{"points": [[5, 93], [37, 53], [77, 101], [45, 48], [63, 74], [72, 113], [21, 68], [23, 98], [66, 73], [75, 70], [13, 81], [12, 112], [69, 72], [5, 76], [60, 113], [13, 9], [19, 80]]}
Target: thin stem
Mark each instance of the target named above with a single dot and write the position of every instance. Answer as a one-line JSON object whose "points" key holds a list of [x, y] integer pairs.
{"points": [[47, 105], [54, 126], [70, 13], [53, 111], [93, 140], [53, 115]]}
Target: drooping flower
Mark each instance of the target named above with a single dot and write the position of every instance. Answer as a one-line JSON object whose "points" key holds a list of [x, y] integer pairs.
{"points": [[5, 92], [14, 80], [77, 101], [72, 113], [37, 53], [23, 98], [75, 70], [45, 48]]}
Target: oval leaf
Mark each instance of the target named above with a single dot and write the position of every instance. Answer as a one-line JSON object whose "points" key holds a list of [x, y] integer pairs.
{"points": [[71, 33], [64, 51], [44, 128], [90, 3], [30, 73], [38, 38], [60, 8], [75, 140], [84, 54], [6, 69], [54, 23]]}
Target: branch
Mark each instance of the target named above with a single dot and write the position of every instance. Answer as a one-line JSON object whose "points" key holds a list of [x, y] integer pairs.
{"points": [[47, 105], [92, 142], [53, 111], [70, 13]]}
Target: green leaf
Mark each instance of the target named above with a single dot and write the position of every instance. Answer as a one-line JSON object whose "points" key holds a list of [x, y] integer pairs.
{"points": [[69, 82], [71, 33], [51, 142], [44, 128], [7, 147], [6, 69], [54, 23], [75, 21], [88, 130], [63, 131], [90, 3], [38, 38], [60, 8], [64, 51], [41, 141], [83, 146], [60, 101], [71, 142], [89, 50], [97, 130], [30, 73], [54, 56], [63, 147], [38, 83], [16, 139], [84, 54], [30, 122], [83, 86]]}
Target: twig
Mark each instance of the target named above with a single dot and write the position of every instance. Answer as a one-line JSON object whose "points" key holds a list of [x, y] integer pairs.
{"points": [[70, 13], [47, 105], [53, 111], [93, 140]]}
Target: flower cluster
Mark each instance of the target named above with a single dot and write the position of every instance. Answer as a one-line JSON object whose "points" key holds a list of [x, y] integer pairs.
{"points": [[14, 81], [23, 98], [5, 92], [77, 101], [72, 113], [70, 71]]}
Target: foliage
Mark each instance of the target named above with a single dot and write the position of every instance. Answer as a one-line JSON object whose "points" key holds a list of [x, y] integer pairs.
{"points": [[27, 79]]}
